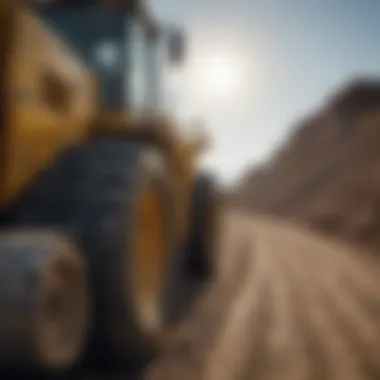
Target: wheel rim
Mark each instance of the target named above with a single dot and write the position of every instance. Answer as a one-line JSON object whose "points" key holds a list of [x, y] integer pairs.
{"points": [[150, 258], [63, 311]]}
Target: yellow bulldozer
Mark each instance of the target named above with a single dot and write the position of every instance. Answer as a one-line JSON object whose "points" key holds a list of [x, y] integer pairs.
{"points": [[104, 213]]}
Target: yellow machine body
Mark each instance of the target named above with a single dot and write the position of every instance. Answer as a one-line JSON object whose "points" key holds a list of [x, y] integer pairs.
{"points": [[105, 219], [50, 100]]}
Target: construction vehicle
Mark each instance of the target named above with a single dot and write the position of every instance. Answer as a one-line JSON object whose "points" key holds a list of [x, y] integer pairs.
{"points": [[103, 209]]}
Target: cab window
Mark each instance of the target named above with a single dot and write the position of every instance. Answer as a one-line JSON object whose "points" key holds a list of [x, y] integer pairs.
{"points": [[136, 78], [142, 80]]}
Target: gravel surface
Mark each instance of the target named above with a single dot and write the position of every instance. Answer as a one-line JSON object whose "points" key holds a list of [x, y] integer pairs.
{"points": [[286, 304]]}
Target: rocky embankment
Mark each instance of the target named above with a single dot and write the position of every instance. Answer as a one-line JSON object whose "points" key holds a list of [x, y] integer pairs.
{"points": [[327, 173]]}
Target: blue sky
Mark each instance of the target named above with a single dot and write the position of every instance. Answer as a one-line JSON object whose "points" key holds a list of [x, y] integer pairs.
{"points": [[296, 52]]}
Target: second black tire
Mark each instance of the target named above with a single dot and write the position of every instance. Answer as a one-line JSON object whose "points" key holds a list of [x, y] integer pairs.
{"points": [[195, 266], [204, 216]]}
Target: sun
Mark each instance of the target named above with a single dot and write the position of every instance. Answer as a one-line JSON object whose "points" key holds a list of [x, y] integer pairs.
{"points": [[220, 76], [216, 77]]}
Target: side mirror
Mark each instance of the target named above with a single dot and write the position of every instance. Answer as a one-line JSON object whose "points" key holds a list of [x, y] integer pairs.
{"points": [[176, 46]]}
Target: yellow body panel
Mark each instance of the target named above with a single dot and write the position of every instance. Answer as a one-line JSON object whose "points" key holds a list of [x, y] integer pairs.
{"points": [[50, 101]]}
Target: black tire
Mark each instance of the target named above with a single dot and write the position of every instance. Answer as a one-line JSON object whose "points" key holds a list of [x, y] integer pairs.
{"points": [[202, 239], [90, 191], [195, 267]]}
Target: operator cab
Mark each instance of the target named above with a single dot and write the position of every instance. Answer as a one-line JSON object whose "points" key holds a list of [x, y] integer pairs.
{"points": [[122, 45]]}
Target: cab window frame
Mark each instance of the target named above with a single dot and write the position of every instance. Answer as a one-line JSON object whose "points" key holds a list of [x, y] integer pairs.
{"points": [[143, 79]]}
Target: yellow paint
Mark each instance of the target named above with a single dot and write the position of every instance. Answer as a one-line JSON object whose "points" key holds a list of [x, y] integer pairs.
{"points": [[35, 128]]}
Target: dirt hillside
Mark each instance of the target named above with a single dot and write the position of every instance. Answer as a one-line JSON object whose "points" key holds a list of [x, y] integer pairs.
{"points": [[327, 173]]}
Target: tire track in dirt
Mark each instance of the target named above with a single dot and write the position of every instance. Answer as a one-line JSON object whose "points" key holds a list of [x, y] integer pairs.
{"points": [[315, 267], [285, 356], [339, 361], [285, 304], [186, 348], [240, 314]]}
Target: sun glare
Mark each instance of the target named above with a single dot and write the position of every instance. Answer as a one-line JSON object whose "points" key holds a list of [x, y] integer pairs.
{"points": [[215, 78], [220, 76]]}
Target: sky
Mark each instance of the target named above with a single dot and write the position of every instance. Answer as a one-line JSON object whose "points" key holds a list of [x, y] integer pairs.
{"points": [[286, 55]]}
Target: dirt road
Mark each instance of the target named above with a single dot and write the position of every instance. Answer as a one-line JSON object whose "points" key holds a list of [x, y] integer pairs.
{"points": [[286, 304]]}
